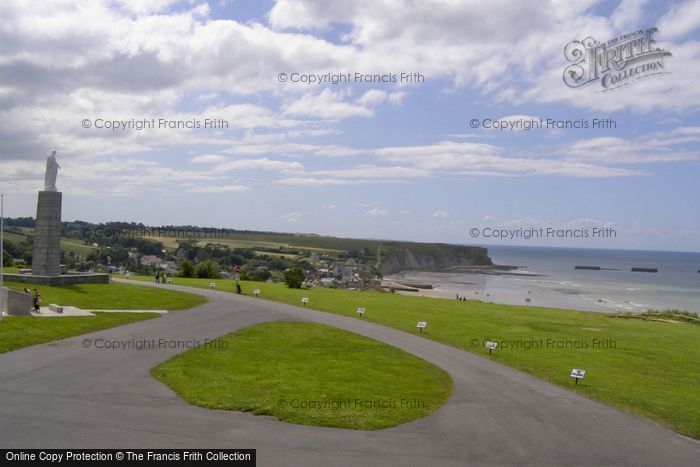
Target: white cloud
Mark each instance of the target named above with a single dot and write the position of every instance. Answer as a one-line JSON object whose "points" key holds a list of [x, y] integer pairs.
{"points": [[372, 97], [469, 159], [258, 164], [441, 214], [655, 147], [218, 189], [681, 19], [628, 14], [328, 105], [207, 158], [291, 217], [309, 181], [376, 212]]}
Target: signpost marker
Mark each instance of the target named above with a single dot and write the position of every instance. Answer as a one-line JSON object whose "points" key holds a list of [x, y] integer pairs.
{"points": [[577, 374], [361, 311], [421, 325], [305, 300], [491, 346]]}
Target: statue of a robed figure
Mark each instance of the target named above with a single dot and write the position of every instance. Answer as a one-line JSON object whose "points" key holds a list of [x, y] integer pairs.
{"points": [[51, 172]]}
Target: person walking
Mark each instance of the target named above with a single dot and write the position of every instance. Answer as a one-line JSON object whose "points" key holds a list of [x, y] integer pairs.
{"points": [[157, 277]]}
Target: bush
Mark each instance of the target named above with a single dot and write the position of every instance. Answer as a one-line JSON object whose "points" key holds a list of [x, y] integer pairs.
{"points": [[208, 269], [186, 269], [294, 277], [260, 275]]}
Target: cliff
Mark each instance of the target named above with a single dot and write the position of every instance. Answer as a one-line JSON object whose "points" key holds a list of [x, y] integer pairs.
{"points": [[431, 257]]}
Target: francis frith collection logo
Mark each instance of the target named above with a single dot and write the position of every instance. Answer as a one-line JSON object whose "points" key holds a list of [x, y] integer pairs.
{"points": [[615, 63]]}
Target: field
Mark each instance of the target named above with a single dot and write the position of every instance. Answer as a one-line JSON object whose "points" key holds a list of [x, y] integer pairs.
{"points": [[649, 368], [261, 241], [309, 374]]}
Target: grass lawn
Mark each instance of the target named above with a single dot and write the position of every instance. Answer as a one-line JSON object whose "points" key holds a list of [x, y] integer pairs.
{"points": [[114, 296], [22, 331], [309, 374], [649, 368]]}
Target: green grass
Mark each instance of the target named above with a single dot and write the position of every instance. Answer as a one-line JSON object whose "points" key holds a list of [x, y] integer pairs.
{"points": [[114, 296], [22, 331], [653, 369], [12, 269], [309, 374]]}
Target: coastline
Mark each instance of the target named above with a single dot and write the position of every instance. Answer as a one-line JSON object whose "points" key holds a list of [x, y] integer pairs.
{"points": [[507, 290]]}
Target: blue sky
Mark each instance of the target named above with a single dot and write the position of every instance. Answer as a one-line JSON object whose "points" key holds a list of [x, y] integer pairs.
{"points": [[375, 160]]}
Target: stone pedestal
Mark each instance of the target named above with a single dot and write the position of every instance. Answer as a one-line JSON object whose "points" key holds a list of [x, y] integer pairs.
{"points": [[46, 257]]}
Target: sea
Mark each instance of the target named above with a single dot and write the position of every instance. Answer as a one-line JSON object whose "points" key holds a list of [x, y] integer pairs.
{"points": [[547, 277]]}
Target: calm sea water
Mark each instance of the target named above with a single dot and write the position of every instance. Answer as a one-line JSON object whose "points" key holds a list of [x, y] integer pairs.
{"points": [[676, 285]]}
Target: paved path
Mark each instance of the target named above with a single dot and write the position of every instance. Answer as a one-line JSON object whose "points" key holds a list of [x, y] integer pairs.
{"points": [[61, 395]]}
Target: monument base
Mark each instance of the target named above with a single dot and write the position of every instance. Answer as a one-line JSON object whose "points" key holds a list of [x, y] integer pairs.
{"points": [[46, 255], [16, 303], [63, 279]]}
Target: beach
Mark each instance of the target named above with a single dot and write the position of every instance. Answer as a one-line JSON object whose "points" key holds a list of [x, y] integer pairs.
{"points": [[547, 276]]}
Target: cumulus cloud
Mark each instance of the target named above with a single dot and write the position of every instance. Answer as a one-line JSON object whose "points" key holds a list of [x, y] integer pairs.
{"points": [[68, 61]]}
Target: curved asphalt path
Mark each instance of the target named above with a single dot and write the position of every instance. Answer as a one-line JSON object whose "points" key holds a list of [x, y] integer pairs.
{"points": [[59, 395]]}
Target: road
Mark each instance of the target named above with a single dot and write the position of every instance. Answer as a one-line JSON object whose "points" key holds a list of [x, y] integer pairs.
{"points": [[61, 395]]}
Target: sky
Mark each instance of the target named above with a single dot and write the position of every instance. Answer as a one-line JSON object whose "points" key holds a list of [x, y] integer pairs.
{"points": [[403, 159]]}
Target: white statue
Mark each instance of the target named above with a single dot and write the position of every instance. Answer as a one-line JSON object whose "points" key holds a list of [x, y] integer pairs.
{"points": [[51, 172]]}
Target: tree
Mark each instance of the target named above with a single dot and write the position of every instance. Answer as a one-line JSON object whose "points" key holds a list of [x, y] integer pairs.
{"points": [[294, 277], [208, 269], [260, 275], [6, 259], [187, 269]]}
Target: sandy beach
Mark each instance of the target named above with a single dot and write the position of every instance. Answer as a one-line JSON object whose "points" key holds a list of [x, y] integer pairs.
{"points": [[509, 290]]}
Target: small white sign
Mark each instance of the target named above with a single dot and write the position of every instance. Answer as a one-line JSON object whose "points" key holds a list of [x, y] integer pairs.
{"points": [[212, 285], [491, 345], [169, 280], [422, 324], [578, 374], [305, 300], [256, 292], [361, 310]]}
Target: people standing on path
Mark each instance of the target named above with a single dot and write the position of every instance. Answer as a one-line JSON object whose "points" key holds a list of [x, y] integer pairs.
{"points": [[37, 301]]}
